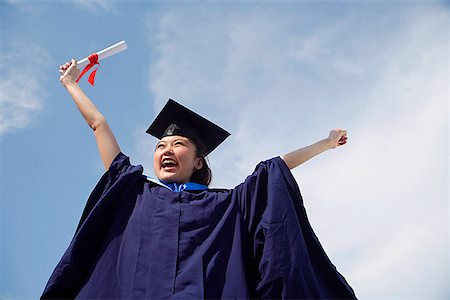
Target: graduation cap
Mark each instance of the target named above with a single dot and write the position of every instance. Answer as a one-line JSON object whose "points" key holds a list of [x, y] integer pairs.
{"points": [[175, 119]]}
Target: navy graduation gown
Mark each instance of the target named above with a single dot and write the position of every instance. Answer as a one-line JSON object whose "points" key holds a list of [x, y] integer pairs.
{"points": [[137, 240]]}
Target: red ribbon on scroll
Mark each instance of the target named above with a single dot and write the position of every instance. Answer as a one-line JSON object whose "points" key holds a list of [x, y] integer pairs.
{"points": [[93, 60]]}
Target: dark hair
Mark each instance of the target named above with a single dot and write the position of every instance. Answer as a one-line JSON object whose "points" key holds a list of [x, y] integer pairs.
{"points": [[203, 175]]}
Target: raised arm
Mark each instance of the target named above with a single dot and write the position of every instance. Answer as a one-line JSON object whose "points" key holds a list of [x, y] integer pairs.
{"points": [[106, 142], [336, 138]]}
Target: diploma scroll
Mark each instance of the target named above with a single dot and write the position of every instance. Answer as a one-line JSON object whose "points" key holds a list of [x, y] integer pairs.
{"points": [[102, 54]]}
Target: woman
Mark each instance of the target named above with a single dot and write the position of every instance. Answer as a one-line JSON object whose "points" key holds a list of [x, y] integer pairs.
{"points": [[177, 238]]}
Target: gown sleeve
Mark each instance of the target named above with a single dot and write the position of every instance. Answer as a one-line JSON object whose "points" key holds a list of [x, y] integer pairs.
{"points": [[287, 254], [74, 267]]}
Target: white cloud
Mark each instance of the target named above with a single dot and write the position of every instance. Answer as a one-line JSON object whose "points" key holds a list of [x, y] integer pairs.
{"points": [[388, 190], [22, 94], [18, 101], [380, 204]]}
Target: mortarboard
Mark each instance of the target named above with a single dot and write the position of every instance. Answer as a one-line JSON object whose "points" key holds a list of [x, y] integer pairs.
{"points": [[175, 119]]}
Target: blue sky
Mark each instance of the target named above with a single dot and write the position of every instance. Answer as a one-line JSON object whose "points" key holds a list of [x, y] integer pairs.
{"points": [[278, 76]]}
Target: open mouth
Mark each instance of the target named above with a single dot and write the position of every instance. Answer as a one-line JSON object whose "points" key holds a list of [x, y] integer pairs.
{"points": [[168, 163]]}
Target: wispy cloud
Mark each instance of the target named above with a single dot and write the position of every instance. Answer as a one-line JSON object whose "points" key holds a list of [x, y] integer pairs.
{"points": [[22, 94], [95, 5], [142, 152], [277, 85], [19, 101], [25, 6]]}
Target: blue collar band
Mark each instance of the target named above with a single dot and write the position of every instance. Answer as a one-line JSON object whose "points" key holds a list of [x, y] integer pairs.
{"points": [[175, 187]]}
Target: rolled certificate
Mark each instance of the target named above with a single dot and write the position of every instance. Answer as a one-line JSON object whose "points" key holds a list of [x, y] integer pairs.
{"points": [[114, 49]]}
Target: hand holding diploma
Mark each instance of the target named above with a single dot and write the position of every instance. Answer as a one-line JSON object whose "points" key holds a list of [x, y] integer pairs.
{"points": [[69, 72], [92, 60]]}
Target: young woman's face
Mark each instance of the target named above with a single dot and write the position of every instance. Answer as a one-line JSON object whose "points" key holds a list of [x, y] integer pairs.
{"points": [[175, 159]]}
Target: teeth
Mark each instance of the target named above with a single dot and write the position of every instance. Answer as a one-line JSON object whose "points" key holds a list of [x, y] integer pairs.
{"points": [[168, 161]]}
